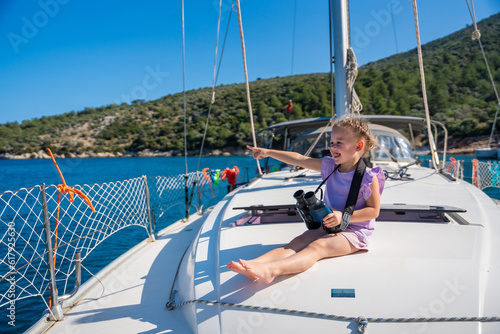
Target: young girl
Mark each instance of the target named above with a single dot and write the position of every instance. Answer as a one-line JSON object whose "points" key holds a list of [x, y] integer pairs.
{"points": [[350, 141]]}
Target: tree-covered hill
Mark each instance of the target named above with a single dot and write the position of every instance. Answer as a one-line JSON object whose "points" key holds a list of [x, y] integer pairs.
{"points": [[460, 95]]}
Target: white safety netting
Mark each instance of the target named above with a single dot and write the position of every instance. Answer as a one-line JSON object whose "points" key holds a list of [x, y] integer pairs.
{"points": [[24, 270], [482, 174], [22, 245], [168, 192], [454, 168], [486, 174]]}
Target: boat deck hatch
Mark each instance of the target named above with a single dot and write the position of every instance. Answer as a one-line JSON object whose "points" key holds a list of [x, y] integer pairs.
{"points": [[420, 213], [262, 214]]}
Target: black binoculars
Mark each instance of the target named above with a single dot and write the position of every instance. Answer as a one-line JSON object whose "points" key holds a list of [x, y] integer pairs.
{"points": [[313, 210]]}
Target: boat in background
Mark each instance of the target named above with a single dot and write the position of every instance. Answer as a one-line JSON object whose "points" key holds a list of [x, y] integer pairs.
{"points": [[488, 153]]}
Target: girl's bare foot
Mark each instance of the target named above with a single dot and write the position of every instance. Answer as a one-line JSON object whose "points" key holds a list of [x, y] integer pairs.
{"points": [[259, 270], [238, 268]]}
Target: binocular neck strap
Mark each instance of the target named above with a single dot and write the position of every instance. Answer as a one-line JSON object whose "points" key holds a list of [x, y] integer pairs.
{"points": [[322, 183], [352, 198]]}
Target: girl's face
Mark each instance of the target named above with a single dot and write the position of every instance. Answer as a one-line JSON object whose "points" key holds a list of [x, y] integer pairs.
{"points": [[344, 146]]}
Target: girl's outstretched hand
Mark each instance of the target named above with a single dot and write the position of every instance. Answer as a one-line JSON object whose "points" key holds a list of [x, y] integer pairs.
{"points": [[259, 153]]}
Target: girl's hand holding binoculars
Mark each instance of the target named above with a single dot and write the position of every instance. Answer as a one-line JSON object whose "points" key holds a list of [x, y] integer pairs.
{"points": [[332, 219]]}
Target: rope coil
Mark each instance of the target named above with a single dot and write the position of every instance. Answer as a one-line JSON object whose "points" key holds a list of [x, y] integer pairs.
{"points": [[64, 188], [476, 34], [432, 144], [354, 102]]}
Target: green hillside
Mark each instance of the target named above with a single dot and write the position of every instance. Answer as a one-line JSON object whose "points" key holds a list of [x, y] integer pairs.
{"points": [[459, 91]]}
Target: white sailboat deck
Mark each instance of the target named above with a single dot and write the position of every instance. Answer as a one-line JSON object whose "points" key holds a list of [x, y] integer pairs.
{"points": [[136, 289], [413, 269]]}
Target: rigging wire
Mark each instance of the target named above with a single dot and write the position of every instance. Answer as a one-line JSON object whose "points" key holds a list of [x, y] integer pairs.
{"points": [[394, 31], [293, 35], [332, 58], [186, 177], [214, 83], [477, 35], [246, 81], [432, 144], [288, 109]]}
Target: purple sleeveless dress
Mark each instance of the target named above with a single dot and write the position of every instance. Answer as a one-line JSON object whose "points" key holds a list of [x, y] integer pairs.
{"points": [[336, 191]]}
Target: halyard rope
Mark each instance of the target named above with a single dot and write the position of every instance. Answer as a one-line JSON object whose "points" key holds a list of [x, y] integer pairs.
{"points": [[362, 321], [240, 23], [432, 146]]}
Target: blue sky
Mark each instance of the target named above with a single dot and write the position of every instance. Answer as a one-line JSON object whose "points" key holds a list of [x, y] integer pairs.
{"points": [[64, 55]]}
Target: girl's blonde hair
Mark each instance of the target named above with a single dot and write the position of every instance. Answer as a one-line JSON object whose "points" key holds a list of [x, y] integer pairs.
{"points": [[359, 128]]}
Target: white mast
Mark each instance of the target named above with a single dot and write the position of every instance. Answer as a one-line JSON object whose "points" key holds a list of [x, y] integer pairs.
{"points": [[342, 42]]}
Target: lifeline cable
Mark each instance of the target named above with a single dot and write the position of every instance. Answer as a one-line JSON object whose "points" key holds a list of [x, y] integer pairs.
{"points": [[362, 321]]}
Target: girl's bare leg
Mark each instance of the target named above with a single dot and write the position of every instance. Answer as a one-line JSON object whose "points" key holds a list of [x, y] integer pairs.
{"points": [[294, 246], [329, 245]]}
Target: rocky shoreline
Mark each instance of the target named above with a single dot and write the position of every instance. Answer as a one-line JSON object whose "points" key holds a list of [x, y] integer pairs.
{"points": [[471, 144], [142, 154], [455, 146]]}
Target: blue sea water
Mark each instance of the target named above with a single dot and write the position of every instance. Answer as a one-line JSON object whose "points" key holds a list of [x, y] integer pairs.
{"points": [[17, 174]]}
